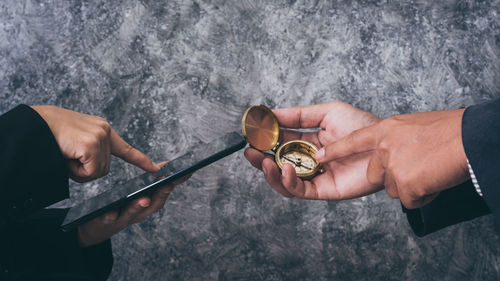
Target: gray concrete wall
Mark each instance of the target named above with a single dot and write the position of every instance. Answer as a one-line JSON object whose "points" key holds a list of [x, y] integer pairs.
{"points": [[170, 74]]}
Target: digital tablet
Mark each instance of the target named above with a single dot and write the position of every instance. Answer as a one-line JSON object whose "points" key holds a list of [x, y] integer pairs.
{"points": [[120, 194]]}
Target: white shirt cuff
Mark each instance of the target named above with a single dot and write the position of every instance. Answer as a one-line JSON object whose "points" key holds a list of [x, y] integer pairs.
{"points": [[474, 179]]}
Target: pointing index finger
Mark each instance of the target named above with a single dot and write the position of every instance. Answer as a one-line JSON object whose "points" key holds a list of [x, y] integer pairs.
{"points": [[125, 151], [358, 141]]}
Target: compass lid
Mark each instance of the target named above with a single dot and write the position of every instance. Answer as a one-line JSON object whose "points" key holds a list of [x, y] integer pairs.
{"points": [[260, 127]]}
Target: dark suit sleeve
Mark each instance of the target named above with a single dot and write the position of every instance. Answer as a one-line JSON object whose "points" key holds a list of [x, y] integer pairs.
{"points": [[454, 205], [39, 250], [481, 140], [33, 175]]}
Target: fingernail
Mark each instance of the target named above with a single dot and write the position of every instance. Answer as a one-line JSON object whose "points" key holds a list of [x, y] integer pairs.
{"points": [[320, 154], [157, 166], [265, 171], [144, 204]]}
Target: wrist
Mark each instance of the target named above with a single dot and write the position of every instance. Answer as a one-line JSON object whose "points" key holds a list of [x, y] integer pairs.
{"points": [[49, 114], [43, 111]]}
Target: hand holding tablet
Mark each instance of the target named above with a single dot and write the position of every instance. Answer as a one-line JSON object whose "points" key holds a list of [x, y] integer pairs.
{"points": [[119, 195]]}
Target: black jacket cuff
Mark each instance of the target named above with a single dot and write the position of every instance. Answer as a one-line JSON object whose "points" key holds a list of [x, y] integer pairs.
{"points": [[40, 250], [454, 205], [481, 140], [33, 172]]}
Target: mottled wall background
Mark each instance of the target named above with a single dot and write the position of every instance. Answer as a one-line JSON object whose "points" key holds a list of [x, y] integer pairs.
{"points": [[169, 74]]}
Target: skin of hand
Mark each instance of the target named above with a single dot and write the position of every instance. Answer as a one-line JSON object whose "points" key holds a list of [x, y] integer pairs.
{"points": [[105, 226], [415, 156], [88, 141], [343, 178]]}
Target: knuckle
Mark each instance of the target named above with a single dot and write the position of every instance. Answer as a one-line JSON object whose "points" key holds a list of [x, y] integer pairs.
{"points": [[99, 118], [409, 204], [87, 139], [89, 173], [86, 172], [373, 179], [101, 133], [91, 140], [111, 217], [100, 121], [391, 193], [389, 122], [384, 146], [418, 193], [403, 183], [106, 126], [101, 127], [390, 171]]}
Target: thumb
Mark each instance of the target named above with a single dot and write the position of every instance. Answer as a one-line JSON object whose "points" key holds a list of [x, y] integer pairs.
{"points": [[79, 172], [75, 167], [358, 141]]}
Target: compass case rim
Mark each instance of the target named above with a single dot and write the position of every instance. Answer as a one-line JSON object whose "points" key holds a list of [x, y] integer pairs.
{"points": [[256, 120], [307, 175]]}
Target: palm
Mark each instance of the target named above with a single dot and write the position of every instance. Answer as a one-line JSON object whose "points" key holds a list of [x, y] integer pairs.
{"points": [[345, 178]]}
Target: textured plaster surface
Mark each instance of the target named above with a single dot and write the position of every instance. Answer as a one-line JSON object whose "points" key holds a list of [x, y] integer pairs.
{"points": [[171, 74]]}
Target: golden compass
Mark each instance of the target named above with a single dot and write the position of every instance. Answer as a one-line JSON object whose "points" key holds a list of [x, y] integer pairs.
{"points": [[261, 130]]}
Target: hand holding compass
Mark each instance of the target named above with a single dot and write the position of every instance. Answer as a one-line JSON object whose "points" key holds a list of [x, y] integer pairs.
{"points": [[341, 179], [261, 130]]}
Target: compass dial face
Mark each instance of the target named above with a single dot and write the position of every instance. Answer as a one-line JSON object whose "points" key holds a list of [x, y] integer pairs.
{"points": [[299, 154], [302, 162]]}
